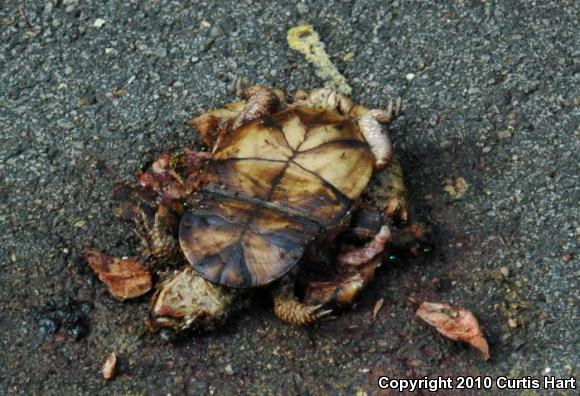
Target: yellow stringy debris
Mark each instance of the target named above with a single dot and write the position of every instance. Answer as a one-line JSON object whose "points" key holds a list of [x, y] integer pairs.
{"points": [[304, 39]]}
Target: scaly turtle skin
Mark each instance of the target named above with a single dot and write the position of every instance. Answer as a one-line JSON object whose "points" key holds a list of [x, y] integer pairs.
{"points": [[283, 180]]}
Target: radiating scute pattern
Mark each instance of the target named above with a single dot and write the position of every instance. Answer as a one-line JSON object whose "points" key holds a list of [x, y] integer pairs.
{"points": [[274, 185], [227, 247]]}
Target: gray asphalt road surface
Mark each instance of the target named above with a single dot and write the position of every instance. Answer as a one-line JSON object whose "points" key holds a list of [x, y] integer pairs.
{"points": [[90, 91]]}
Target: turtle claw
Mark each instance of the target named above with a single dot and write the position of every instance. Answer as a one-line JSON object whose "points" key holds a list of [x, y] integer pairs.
{"points": [[395, 108], [319, 313], [324, 314], [238, 86]]}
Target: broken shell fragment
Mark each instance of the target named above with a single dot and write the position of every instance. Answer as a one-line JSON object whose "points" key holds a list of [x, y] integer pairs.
{"points": [[124, 278], [455, 323], [110, 366]]}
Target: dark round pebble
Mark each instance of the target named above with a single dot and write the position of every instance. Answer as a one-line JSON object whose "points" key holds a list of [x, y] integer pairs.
{"points": [[78, 329], [77, 325], [47, 327]]}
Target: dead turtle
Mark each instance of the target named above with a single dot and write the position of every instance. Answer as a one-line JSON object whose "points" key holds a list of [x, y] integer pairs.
{"points": [[282, 181]]}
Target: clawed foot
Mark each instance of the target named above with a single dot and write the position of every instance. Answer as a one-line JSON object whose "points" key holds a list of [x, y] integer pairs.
{"points": [[298, 314], [260, 102], [288, 309]]}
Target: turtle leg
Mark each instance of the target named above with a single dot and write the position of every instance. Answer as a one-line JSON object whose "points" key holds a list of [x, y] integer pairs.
{"points": [[370, 121], [155, 223], [356, 269], [157, 234], [343, 290], [156, 200], [288, 309], [371, 124], [260, 101]]}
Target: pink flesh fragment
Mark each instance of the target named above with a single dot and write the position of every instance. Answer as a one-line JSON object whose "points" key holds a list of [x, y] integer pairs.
{"points": [[456, 323], [124, 278], [372, 249]]}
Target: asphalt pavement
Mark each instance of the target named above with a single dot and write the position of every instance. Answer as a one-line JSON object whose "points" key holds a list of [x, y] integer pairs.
{"points": [[91, 91]]}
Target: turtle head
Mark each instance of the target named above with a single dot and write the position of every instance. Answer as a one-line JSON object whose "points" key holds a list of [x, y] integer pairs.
{"points": [[188, 301]]}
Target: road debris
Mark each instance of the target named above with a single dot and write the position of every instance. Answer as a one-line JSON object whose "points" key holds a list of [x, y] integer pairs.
{"points": [[304, 39], [124, 278], [455, 323], [99, 22], [455, 187], [110, 366], [377, 307]]}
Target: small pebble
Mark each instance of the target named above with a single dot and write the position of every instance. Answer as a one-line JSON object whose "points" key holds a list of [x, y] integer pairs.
{"points": [[47, 327], [348, 56], [229, 370], [302, 8], [78, 325], [410, 76], [505, 134], [109, 367], [99, 22], [215, 31]]}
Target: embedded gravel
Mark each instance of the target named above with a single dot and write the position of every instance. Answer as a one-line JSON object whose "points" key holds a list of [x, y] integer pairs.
{"points": [[93, 90]]}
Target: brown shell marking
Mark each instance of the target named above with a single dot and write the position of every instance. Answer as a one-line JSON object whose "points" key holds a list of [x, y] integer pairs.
{"points": [[273, 186]]}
